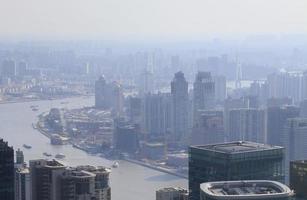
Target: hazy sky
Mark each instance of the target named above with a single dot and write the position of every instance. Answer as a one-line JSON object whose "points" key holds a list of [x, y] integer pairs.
{"points": [[113, 19]]}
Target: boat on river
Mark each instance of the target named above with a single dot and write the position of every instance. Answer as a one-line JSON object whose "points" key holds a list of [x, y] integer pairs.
{"points": [[60, 156], [27, 146]]}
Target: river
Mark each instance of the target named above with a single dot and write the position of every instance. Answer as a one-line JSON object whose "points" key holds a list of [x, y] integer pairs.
{"points": [[129, 181]]}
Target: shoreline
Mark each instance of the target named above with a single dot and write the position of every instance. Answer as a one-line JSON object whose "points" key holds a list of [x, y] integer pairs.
{"points": [[137, 162], [35, 100]]}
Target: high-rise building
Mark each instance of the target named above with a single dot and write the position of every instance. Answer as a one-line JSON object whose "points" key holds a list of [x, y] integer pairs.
{"points": [[276, 119], [157, 114], [298, 178], [146, 82], [180, 100], [46, 179], [303, 108], [102, 186], [6, 171], [19, 157], [295, 141], [304, 86], [23, 184], [245, 190], [208, 128], [230, 104], [100, 93], [204, 92], [109, 96], [8, 68], [247, 125], [220, 88], [285, 84], [77, 184], [135, 110], [172, 193], [126, 136], [234, 161]]}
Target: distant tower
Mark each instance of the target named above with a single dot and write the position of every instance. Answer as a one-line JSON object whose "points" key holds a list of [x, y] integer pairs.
{"points": [[100, 93], [180, 101], [238, 73], [19, 157], [204, 92]]}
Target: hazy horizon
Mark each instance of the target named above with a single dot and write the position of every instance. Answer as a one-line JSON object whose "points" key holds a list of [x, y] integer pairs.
{"points": [[146, 20]]}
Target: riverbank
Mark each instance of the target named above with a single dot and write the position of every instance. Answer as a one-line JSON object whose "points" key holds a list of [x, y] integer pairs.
{"points": [[141, 163], [43, 99], [160, 169]]}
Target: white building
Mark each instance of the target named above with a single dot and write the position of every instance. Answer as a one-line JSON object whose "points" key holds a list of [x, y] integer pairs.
{"points": [[245, 190]]}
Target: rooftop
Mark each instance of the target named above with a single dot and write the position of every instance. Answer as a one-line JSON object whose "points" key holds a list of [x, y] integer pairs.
{"points": [[172, 189], [237, 147], [237, 189]]}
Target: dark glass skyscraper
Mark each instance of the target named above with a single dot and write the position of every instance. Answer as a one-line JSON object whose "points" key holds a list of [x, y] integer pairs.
{"points": [[6, 171], [234, 161]]}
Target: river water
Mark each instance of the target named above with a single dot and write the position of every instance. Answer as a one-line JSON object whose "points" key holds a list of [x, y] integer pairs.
{"points": [[129, 181]]}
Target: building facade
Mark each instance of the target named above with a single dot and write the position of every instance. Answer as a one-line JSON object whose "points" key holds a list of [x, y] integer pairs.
{"points": [[276, 120], [46, 179], [247, 125], [172, 194], [180, 100], [298, 178], [203, 92], [6, 171], [234, 161]]}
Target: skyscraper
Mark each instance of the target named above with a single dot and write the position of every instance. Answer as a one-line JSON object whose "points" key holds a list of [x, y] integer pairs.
{"points": [[180, 100], [204, 92], [100, 93], [234, 161], [298, 177], [19, 157], [46, 179], [295, 141], [157, 111], [276, 119], [6, 171], [23, 184], [304, 86], [247, 125], [109, 96]]}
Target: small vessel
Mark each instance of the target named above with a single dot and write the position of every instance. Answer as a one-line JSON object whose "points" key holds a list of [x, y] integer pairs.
{"points": [[34, 126], [115, 164], [60, 156], [47, 154], [34, 109], [27, 146]]}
